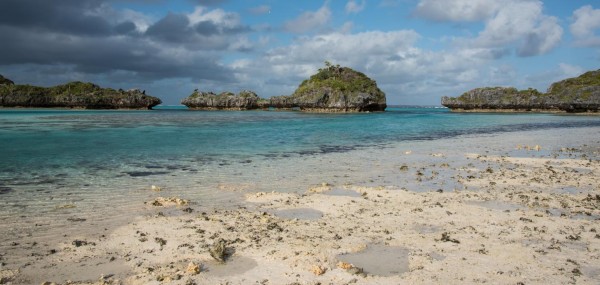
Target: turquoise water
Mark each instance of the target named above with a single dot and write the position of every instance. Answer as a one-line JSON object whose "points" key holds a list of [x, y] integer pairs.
{"points": [[55, 146], [104, 162]]}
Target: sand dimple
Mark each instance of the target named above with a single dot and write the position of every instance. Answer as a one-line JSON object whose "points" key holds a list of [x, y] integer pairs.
{"points": [[300, 213], [235, 266], [379, 260]]}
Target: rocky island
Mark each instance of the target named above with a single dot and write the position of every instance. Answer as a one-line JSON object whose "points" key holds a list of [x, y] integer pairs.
{"points": [[82, 95], [336, 89], [332, 89], [245, 100], [573, 95]]}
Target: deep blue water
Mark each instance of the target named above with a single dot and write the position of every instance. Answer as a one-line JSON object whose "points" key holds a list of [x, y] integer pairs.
{"points": [[36, 142]]}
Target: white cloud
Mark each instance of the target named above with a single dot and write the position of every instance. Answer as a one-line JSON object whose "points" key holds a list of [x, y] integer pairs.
{"points": [[457, 10], [517, 25], [586, 22], [309, 21], [391, 58], [216, 16], [353, 7], [569, 70], [542, 38]]}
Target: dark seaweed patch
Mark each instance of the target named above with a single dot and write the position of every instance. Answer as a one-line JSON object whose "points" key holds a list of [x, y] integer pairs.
{"points": [[144, 173], [4, 190]]}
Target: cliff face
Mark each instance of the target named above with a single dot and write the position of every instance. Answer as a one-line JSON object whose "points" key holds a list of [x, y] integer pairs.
{"points": [[336, 89], [574, 95], [245, 100], [74, 95]]}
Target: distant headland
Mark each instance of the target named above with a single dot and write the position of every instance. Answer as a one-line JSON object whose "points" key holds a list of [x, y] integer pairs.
{"points": [[78, 95], [332, 89], [573, 95]]}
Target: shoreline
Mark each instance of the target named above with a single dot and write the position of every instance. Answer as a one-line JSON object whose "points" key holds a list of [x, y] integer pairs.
{"points": [[514, 215]]}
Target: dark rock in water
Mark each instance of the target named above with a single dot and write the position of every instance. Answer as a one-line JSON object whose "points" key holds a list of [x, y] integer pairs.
{"points": [[4, 190], [573, 95], [336, 89], [73, 95], [145, 173], [76, 220], [245, 100]]}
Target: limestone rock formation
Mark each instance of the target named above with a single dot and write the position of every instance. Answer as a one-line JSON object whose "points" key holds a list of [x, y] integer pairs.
{"points": [[73, 95], [5, 81], [573, 95], [335, 89], [245, 100]]}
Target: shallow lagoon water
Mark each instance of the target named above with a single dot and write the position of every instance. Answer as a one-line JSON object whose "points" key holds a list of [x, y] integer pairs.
{"points": [[75, 169]]}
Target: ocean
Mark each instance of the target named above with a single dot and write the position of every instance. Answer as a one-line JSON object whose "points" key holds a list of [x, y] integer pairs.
{"points": [[61, 169]]}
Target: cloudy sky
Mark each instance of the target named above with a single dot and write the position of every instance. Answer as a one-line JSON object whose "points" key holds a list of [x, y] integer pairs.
{"points": [[417, 50]]}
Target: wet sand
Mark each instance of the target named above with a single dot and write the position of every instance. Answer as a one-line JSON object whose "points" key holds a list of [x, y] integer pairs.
{"points": [[487, 209]]}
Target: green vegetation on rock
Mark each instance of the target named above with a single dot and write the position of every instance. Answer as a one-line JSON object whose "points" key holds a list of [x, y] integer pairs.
{"points": [[579, 94], [5, 81], [245, 100], [74, 95], [337, 88]]}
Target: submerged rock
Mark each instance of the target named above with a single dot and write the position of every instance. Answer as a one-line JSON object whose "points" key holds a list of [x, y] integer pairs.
{"points": [[73, 95], [573, 95]]}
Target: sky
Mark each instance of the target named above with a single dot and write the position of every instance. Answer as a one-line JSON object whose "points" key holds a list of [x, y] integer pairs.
{"points": [[416, 50]]}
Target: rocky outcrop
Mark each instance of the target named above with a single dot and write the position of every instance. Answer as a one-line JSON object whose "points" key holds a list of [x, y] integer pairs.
{"points": [[282, 102], [73, 95], [332, 89], [245, 100], [573, 95], [5, 81], [336, 89], [579, 94]]}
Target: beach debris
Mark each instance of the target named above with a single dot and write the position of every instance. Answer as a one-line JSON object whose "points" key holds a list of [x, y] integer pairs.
{"points": [[161, 241], [408, 152], [78, 243], [318, 270], [170, 201], [6, 276], [156, 188], [193, 268], [76, 219], [218, 251], [404, 167], [446, 238], [320, 188], [344, 265], [537, 147], [350, 268], [66, 206]]}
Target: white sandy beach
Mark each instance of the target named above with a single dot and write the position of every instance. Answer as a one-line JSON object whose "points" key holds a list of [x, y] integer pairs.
{"points": [[481, 209]]}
